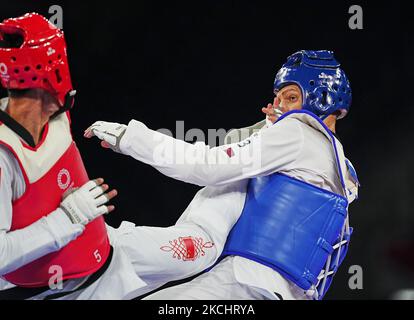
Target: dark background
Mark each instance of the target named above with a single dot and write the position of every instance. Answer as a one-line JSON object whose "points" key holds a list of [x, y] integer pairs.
{"points": [[212, 64]]}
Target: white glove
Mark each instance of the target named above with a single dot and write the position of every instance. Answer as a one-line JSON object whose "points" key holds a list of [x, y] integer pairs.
{"points": [[86, 203], [109, 132]]}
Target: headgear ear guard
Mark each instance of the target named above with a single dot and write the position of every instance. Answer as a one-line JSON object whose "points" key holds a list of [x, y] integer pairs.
{"points": [[33, 55], [325, 87]]}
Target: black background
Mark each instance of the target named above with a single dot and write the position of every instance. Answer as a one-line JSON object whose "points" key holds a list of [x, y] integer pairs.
{"points": [[212, 65]]}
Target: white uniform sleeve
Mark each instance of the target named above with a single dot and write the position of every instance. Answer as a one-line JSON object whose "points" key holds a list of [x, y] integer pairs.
{"points": [[267, 151], [22, 246]]}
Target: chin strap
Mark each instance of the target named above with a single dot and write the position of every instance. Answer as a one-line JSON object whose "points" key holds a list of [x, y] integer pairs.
{"points": [[69, 101]]}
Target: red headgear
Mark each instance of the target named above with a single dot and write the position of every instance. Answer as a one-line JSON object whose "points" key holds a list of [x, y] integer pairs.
{"points": [[33, 55]]}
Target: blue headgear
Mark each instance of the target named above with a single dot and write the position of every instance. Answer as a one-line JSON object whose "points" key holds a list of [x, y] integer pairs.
{"points": [[325, 88]]}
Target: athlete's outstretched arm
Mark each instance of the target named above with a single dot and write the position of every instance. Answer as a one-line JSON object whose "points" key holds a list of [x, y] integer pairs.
{"points": [[265, 152]]}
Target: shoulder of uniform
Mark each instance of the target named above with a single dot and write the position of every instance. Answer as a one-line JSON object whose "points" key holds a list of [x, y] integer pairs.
{"points": [[289, 130], [5, 153], [289, 118], [6, 160], [293, 124]]}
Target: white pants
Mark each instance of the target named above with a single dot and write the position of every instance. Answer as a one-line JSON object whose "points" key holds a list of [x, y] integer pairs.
{"points": [[219, 283]]}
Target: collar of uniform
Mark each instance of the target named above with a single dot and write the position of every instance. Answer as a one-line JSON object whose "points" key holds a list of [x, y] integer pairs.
{"points": [[336, 136], [17, 128]]}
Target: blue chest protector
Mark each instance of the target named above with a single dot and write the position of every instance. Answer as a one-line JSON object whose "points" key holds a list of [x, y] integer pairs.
{"points": [[295, 228]]}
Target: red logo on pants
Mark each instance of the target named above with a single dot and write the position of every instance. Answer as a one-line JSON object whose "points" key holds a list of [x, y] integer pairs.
{"points": [[187, 248]]}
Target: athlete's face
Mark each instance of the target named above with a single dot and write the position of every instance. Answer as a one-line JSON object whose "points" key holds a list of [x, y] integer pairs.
{"points": [[286, 99]]}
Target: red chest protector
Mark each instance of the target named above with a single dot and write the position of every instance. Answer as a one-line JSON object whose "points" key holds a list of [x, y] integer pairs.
{"points": [[49, 170]]}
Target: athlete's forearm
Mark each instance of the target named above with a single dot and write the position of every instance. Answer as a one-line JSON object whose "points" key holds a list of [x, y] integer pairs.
{"points": [[261, 154], [49, 234]]}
